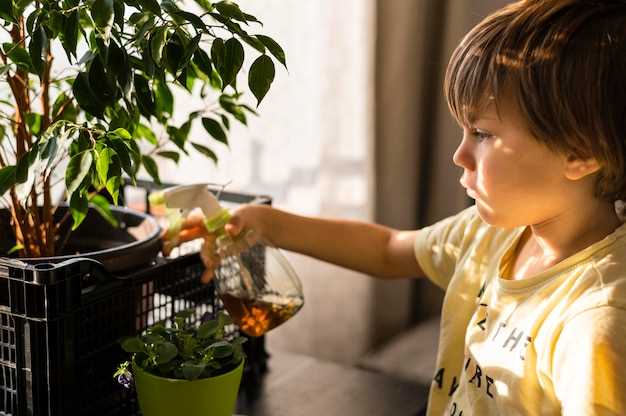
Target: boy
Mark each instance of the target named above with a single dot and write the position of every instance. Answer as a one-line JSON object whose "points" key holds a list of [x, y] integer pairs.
{"points": [[534, 316]]}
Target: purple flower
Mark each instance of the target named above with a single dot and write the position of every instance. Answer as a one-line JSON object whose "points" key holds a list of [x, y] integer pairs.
{"points": [[125, 379]]}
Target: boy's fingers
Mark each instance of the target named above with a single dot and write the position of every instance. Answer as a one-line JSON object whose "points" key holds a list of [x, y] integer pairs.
{"points": [[191, 234], [233, 228], [193, 221]]}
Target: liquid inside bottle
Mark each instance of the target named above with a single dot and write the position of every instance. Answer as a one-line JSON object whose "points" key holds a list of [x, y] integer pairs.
{"points": [[256, 316], [258, 287]]}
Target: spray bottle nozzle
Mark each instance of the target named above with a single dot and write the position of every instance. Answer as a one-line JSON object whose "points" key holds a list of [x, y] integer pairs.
{"points": [[188, 197]]}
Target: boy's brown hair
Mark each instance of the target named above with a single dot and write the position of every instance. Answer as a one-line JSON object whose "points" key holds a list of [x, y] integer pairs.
{"points": [[564, 63]]}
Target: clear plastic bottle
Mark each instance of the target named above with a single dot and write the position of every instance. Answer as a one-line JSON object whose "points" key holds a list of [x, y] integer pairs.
{"points": [[256, 283]]}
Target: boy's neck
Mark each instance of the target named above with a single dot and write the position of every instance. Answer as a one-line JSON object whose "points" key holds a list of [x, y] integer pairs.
{"points": [[546, 244]]}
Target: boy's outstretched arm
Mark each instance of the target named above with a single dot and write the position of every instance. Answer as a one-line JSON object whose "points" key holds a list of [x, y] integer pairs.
{"points": [[368, 248]]}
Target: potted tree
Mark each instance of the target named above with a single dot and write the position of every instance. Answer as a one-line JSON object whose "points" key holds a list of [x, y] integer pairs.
{"points": [[184, 369], [70, 132]]}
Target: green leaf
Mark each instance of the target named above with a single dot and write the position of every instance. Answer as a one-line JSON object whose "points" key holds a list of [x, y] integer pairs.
{"points": [[218, 55], [114, 180], [214, 128], [157, 43], [77, 169], [228, 104], [175, 156], [120, 12], [103, 159], [166, 352], [101, 82], [202, 61], [145, 100], [230, 10], [205, 4], [157, 329], [102, 13], [144, 131], [48, 150], [205, 151], [172, 9], [151, 5], [192, 18], [215, 80], [207, 329], [69, 34], [164, 99], [177, 138], [254, 42], [113, 187], [6, 11], [151, 338], [225, 121], [33, 120], [78, 207], [135, 155], [192, 371], [123, 133], [85, 97], [221, 349], [133, 344], [7, 178], [36, 48], [122, 151], [20, 5], [274, 48], [233, 61], [261, 75], [174, 53], [190, 49], [18, 55], [146, 64], [23, 170], [146, 24], [31, 20], [250, 18], [118, 65], [151, 168], [102, 206]]}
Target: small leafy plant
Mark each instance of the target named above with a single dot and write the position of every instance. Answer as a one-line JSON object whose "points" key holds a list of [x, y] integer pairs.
{"points": [[183, 351]]}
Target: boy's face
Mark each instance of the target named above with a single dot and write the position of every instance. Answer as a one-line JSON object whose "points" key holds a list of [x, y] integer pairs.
{"points": [[514, 179]]}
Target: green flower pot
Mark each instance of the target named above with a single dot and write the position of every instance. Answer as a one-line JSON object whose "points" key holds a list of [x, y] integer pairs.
{"points": [[214, 396]]}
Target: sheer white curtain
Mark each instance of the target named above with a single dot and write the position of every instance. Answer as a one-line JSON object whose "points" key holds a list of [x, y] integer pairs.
{"points": [[310, 149]]}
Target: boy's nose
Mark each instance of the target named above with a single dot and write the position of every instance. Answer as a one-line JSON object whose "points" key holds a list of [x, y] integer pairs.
{"points": [[463, 156]]}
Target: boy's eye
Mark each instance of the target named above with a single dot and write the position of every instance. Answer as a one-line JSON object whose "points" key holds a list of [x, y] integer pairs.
{"points": [[480, 135]]}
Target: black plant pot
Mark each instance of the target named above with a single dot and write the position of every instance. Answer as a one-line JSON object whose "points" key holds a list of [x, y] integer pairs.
{"points": [[133, 244]]}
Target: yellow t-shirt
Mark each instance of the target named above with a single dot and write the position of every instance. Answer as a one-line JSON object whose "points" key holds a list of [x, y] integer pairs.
{"points": [[552, 344]]}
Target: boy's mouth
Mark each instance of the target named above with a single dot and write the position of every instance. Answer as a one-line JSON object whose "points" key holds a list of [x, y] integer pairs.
{"points": [[468, 189]]}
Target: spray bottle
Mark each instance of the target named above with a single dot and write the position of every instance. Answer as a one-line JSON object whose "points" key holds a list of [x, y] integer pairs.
{"points": [[257, 285]]}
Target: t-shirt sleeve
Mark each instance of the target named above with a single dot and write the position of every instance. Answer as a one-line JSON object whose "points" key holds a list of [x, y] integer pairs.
{"points": [[439, 246], [589, 363]]}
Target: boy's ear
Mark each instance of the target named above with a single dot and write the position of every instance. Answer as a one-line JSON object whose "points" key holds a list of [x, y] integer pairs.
{"points": [[576, 168]]}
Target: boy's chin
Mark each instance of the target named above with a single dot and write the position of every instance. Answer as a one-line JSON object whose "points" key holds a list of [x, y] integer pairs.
{"points": [[491, 217]]}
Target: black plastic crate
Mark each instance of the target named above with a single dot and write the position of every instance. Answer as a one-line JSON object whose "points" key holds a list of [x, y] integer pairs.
{"points": [[60, 325]]}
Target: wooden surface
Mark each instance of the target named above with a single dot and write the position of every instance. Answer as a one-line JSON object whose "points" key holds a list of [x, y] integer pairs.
{"points": [[299, 385]]}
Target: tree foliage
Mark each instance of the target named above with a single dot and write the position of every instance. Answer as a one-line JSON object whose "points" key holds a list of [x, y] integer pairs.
{"points": [[85, 123]]}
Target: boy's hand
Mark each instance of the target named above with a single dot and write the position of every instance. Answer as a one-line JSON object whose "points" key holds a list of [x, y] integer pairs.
{"points": [[245, 217]]}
